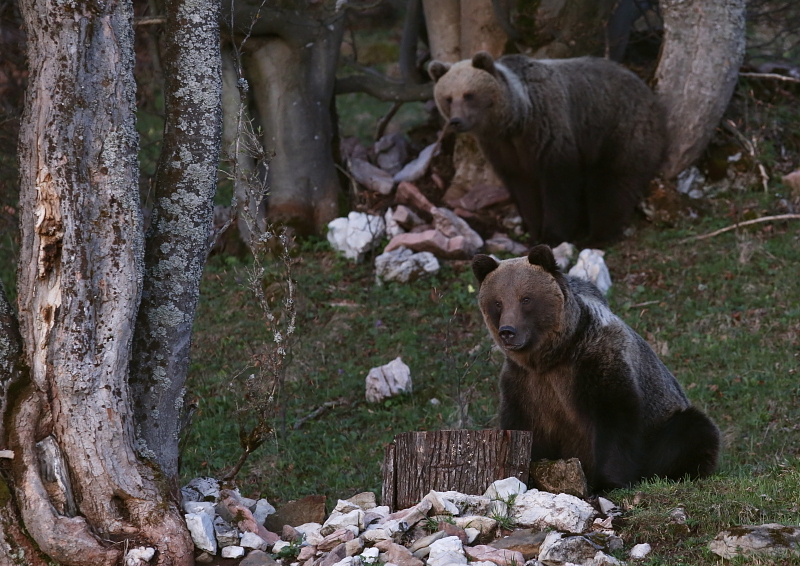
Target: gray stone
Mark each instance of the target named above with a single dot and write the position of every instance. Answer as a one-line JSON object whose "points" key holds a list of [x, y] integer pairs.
{"points": [[365, 500], [501, 491], [564, 253], [543, 510], [202, 530], [225, 534], [356, 234], [609, 507], [403, 265], [526, 541], [559, 476], [426, 541], [768, 539], [416, 168], [486, 526], [397, 554], [382, 382], [391, 152], [691, 182], [467, 504], [639, 551], [373, 178], [338, 520], [449, 224], [201, 489], [591, 267], [204, 558], [233, 552], [206, 507], [448, 550], [559, 549], [258, 558], [262, 510], [311, 533], [440, 505], [354, 547], [334, 539], [499, 556], [252, 540], [139, 556], [500, 243]]}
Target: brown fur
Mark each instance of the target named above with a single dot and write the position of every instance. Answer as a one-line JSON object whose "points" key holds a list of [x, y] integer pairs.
{"points": [[583, 381], [575, 141]]}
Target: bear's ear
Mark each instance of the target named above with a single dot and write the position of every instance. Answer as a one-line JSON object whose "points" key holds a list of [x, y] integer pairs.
{"points": [[542, 256], [483, 265], [437, 69], [482, 60]]}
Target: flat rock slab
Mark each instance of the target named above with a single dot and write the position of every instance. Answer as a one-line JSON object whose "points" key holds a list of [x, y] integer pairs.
{"points": [[559, 476], [525, 541], [770, 538], [310, 509]]}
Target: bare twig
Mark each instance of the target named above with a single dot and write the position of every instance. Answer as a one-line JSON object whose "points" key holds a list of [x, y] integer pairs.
{"points": [[383, 122], [149, 20], [740, 225], [771, 76], [318, 411]]}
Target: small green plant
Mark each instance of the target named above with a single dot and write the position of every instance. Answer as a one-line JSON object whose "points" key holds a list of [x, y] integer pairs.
{"points": [[289, 552]]}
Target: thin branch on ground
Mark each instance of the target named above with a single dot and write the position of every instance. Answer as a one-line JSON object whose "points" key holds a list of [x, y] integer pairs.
{"points": [[771, 76], [777, 218]]}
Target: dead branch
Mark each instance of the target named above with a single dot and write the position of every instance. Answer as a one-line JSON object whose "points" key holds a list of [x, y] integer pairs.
{"points": [[771, 76], [149, 20], [383, 88], [741, 225]]}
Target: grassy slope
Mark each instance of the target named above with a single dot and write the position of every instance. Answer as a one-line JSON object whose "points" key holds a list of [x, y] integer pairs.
{"points": [[724, 314]]}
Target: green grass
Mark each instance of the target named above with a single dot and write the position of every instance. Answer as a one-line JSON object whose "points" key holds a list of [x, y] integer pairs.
{"points": [[724, 313]]}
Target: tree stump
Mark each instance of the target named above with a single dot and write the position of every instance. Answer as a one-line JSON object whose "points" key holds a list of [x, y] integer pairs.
{"points": [[467, 461]]}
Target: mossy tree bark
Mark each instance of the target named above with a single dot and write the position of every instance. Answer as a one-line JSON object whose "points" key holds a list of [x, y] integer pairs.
{"points": [[83, 268]]}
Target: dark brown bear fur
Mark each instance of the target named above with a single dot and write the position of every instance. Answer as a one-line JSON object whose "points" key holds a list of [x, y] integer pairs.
{"points": [[583, 381], [575, 141]]}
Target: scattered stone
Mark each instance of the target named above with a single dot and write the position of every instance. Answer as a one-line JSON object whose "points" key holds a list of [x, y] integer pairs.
{"points": [[311, 532], [139, 556], [338, 520], [337, 554], [444, 551], [373, 178], [501, 557], [258, 558], [199, 507], [440, 505], [591, 267], [233, 551], [416, 168], [290, 534], [608, 507], [422, 553], [225, 534], [500, 492], [252, 540], [350, 147], [434, 242], [500, 243], [559, 476], [201, 489], [391, 152], [639, 551], [370, 555], [480, 197], [541, 510], [356, 234], [405, 217], [375, 515], [690, 182], [769, 539], [564, 253], [403, 265], [204, 558], [426, 541], [310, 509], [486, 526], [202, 530], [354, 547], [467, 504], [262, 510], [334, 539], [410, 195], [559, 549], [392, 227], [280, 545], [397, 554], [525, 541], [472, 534], [382, 382], [451, 226], [451, 530]]}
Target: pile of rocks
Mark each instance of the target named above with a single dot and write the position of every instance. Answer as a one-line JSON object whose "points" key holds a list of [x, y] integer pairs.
{"points": [[444, 528]]}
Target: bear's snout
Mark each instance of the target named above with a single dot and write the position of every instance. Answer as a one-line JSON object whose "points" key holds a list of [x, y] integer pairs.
{"points": [[458, 124], [507, 334]]}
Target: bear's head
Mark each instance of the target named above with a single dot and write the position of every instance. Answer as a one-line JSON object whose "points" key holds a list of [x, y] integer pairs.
{"points": [[468, 93], [522, 300]]}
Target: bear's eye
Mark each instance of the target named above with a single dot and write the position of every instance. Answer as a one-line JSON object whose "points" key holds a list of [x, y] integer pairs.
{"points": [[498, 304], [449, 100], [525, 300], [469, 96]]}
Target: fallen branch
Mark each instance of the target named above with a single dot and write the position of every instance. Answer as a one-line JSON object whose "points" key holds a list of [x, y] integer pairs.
{"points": [[741, 225], [774, 76], [384, 89], [317, 412]]}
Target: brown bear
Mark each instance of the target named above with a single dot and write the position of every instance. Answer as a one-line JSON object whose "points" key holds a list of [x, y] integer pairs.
{"points": [[575, 141], [583, 381]]}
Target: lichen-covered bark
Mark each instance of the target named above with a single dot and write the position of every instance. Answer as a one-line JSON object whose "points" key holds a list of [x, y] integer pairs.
{"points": [[10, 355], [176, 246], [79, 281], [703, 48]]}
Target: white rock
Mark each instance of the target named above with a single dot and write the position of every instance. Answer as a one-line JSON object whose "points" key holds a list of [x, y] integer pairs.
{"points": [[591, 267], [226, 534], [344, 506], [199, 507], [311, 533], [542, 510], [139, 556], [691, 182], [338, 520], [370, 555], [262, 511], [202, 530], [233, 552], [564, 254], [472, 534], [280, 545], [440, 505], [403, 265], [467, 504], [252, 540], [356, 235], [640, 551], [416, 168], [500, 491], [485, 525], [426, 541], [201, 489], [392, 227], [375, 534], [346, 561], [451, 225], [444, 551], [559, 549], [386, 381], [768, 539]]}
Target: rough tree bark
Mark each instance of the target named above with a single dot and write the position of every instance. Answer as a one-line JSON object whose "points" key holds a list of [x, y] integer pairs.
{"points": [[176, 246], [291, 62], [82, 272], [703, 49]]}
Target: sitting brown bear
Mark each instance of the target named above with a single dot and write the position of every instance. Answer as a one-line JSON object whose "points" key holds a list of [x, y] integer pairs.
{"points": [[583, 381], [575, 141]]}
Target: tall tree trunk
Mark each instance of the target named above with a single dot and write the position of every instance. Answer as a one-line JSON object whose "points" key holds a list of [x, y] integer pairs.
{"points": [[443, 20], [293, 79], [703, 49], [80, 280], [177, 246]]}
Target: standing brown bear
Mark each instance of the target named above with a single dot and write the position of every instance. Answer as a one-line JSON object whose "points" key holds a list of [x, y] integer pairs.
{"points": [[583, 381], [575, 141]]}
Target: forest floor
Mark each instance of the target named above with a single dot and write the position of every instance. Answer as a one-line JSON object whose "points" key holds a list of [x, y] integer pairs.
{"points": [[723, 314]]}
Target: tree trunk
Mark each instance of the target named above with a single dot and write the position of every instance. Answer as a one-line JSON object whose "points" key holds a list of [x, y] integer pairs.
{"points": [[462, 460], [80, 280], [703, 49], [443, 21], [177, 246], [480, 30], [293, 83]]}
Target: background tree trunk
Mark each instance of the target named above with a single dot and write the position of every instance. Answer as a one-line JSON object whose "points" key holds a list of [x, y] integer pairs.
{"points": [[80, 280], [176, 247], [703, 49]]}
